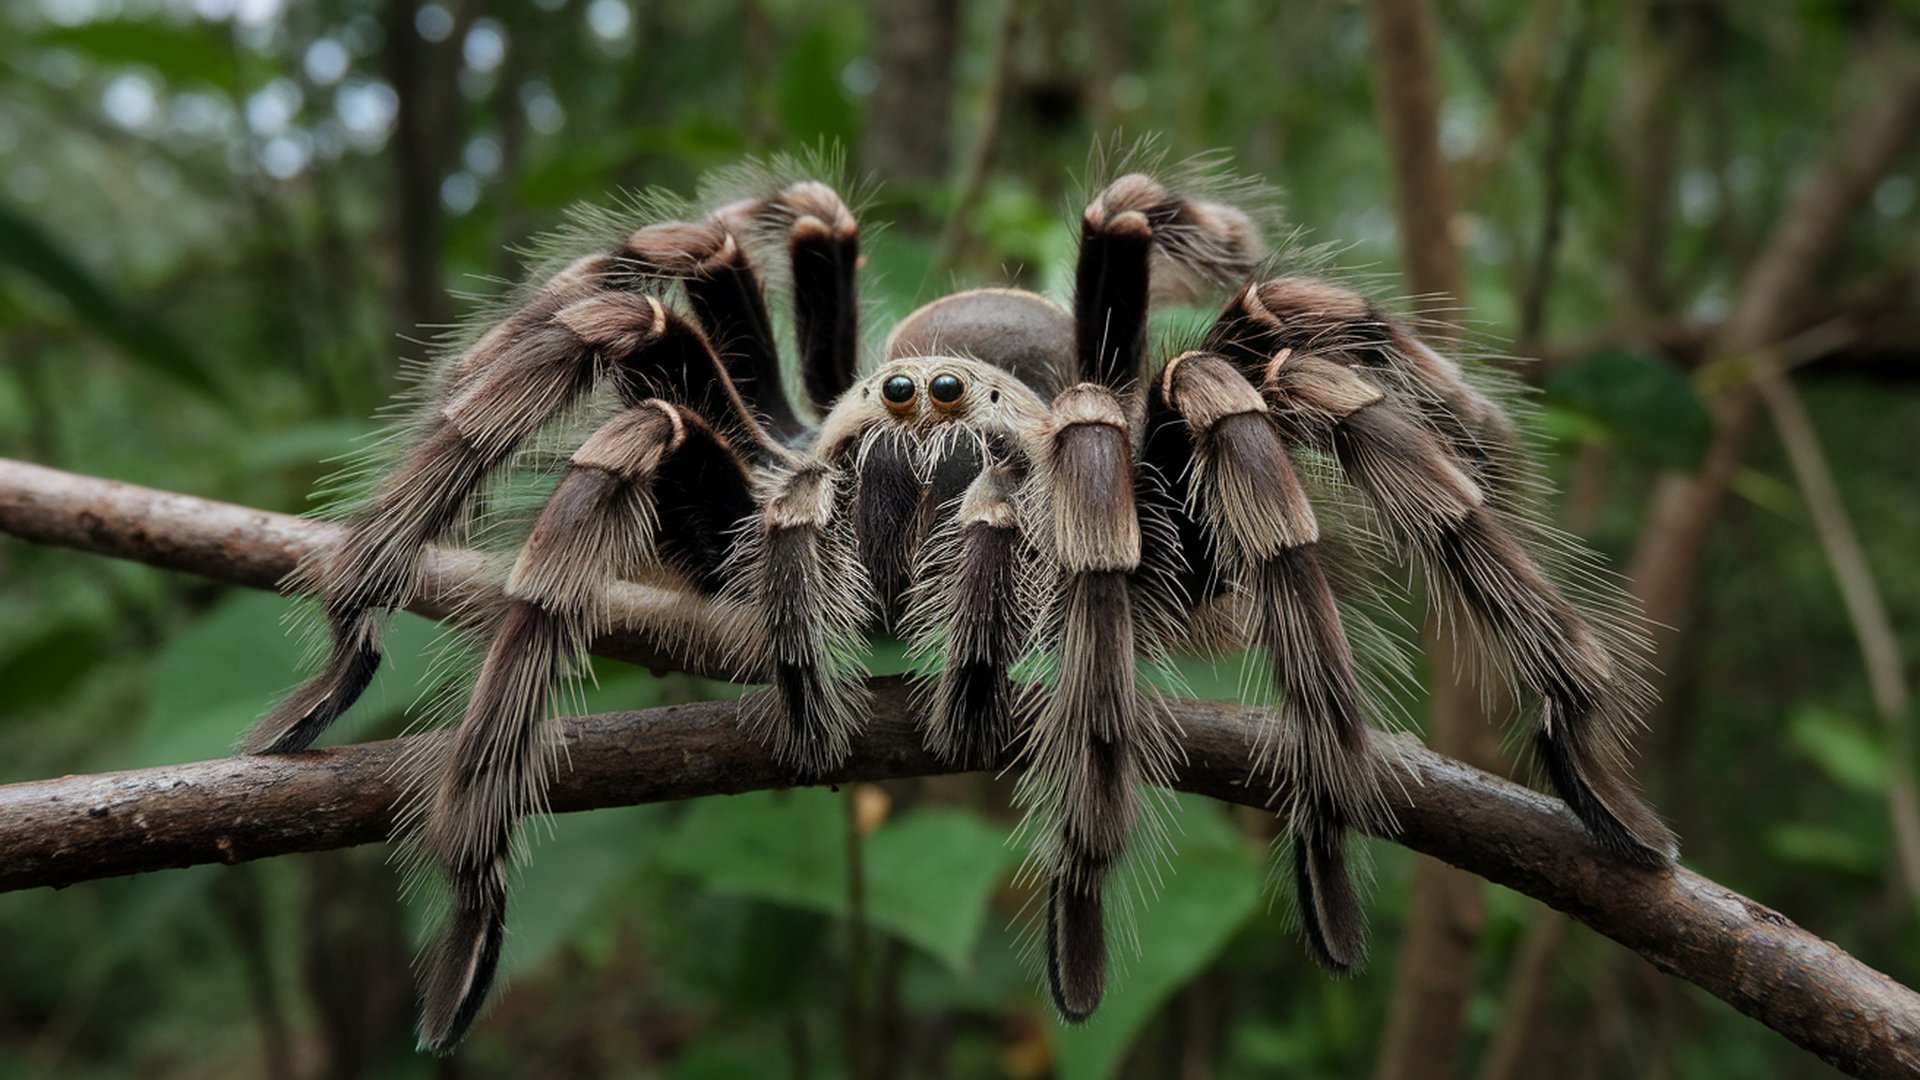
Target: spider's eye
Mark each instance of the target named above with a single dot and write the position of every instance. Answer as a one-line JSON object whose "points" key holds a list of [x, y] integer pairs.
{"points": [[946, 390], [898, 390]]}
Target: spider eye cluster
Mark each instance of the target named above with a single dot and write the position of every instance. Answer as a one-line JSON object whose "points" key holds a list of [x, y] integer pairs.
{"points": [[945, 390], [898, 390]]}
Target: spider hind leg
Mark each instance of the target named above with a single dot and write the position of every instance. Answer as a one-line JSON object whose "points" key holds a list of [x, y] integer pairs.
{"points": [[1209, 427], [1477, 565], [617, 509]]}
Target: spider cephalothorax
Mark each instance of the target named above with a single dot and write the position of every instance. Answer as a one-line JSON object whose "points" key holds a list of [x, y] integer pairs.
{"points": [[1022, 490]]}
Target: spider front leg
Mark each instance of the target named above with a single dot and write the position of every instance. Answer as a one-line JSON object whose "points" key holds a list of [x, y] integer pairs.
{"points": [[823, 252], [1096, 740], [1129, 223], [1207, 426], [725, 293], [968, 607], [655, 485], [510, 384], [1473, 559], [800, 569]]}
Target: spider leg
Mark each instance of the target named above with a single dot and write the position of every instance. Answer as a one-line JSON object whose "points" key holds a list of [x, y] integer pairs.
{"points": [[823, 251], [1123, 228], [802, 571], [511, 383], [1435, 511], [967, 608], [725, 293], [1308, 315], [654, 483], [1208, 426], [1096, 740]]}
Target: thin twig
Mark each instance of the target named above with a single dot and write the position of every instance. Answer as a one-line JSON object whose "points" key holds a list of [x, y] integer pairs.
{"points": [[958, 232], [259, 548], [1879, 644]]}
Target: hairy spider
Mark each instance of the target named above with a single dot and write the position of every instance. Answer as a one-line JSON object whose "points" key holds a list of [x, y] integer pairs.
{"points": [[1021, 489]]}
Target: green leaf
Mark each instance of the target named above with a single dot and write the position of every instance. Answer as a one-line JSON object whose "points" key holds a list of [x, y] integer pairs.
{"points": [[726, 1056], [578, 862], [783, 846], [1211, 888], [31, 251], [1648, 406], [51, 659], [217, 674], [930, 875], [1829, 848], [180, 52], [1844, 749], [930, 880]]}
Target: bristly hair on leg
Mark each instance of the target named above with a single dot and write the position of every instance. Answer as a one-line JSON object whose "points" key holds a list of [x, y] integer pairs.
{"points": [[1207, 420], [800, 566], [1097, 740], [1484, 576], [969, 621]]}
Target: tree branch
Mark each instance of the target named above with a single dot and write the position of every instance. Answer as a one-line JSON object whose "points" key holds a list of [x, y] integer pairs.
{"points": [[1879, 642], [1447, 911], [259, 548], [60, 831]]}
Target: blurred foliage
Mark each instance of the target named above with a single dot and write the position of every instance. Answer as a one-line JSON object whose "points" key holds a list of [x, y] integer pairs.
{"points": [[203, 287]]}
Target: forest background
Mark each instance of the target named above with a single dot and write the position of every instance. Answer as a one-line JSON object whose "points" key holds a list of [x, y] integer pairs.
{"points": [[224, 222]]}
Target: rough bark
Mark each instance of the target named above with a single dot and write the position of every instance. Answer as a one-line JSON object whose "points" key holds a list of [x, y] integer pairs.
{"points": [[60, 831], [56, 832]]}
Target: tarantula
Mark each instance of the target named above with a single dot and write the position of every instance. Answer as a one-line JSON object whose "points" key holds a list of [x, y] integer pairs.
{"points": [[1021, 489]]}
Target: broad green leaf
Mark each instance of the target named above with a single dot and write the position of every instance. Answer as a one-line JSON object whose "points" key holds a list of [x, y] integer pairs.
{"points": [[930, 879], [1210, 889], [578, 863], [216, 675], [930, 875], [783, 846], [1649, 408], [32, 252], [1846, 750]]}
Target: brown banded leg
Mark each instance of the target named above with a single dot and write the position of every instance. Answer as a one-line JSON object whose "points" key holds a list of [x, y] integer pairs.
{"points": [[1241, 485], [823, 252], [968, 608], [726, 296], [1096, 740], [1475, 562], [802, 571], [1309, 315], [510, 384], [1123, 228], [641, 490]]}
